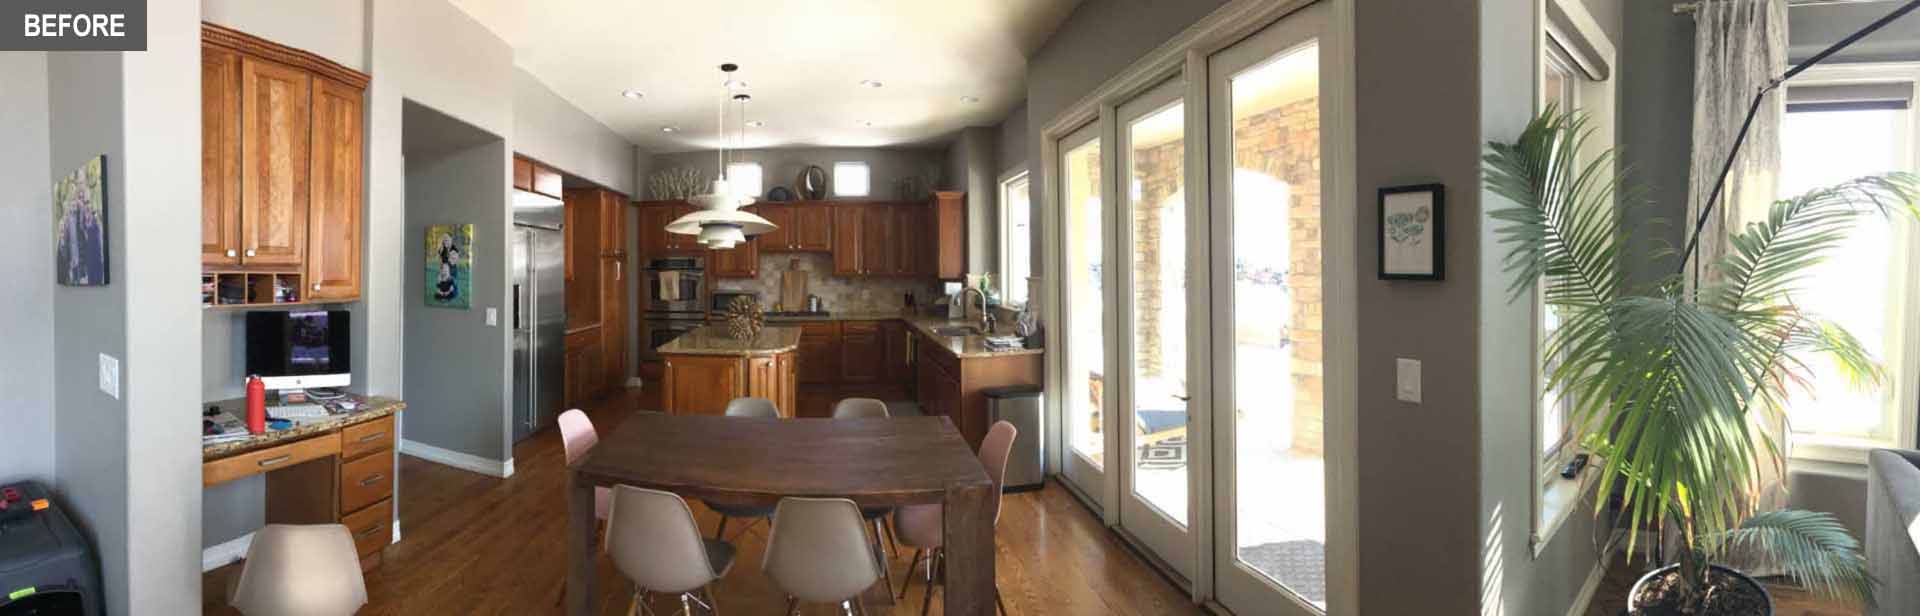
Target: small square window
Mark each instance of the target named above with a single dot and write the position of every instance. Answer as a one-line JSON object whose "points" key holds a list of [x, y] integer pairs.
{"points": [[850, 179], [744, 179]]}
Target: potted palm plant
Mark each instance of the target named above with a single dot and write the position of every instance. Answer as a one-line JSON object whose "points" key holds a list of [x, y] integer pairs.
{"points": [[1668, 379]]}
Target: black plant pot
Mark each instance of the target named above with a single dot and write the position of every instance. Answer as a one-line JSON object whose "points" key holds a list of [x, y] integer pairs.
{"points": [[1633, 595]]}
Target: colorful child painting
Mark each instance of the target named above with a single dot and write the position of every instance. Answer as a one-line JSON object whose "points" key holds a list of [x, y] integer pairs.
{"points": [[80, 225], [449, 266]]}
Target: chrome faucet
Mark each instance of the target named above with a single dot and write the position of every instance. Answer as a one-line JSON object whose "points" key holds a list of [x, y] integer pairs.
{"points": [[986, 318]]}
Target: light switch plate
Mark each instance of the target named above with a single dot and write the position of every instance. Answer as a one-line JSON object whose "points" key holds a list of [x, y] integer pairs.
{"points": [[110, 375], [1407, 380], [493, 317]]}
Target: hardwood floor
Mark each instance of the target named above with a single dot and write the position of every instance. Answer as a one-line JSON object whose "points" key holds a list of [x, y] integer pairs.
{"points": [[473, 544]]}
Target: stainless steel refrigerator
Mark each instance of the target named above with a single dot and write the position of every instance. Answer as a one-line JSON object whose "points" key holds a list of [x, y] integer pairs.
{"points": [[539, 323]]}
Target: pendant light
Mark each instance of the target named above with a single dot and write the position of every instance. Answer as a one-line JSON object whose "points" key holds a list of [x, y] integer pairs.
{"points": [[719, 223]]}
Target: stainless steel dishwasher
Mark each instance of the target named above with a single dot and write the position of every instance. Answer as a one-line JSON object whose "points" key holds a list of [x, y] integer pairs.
{"points": [[1020, 405]]}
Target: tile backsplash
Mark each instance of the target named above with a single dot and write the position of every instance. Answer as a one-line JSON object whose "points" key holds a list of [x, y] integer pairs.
{"points": [[839, 293]]}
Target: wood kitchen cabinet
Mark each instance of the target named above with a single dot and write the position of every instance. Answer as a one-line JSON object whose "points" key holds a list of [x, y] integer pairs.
{"points": [[897, 348], [954, 386], [583, 370], [819, 353], [862, 352], [802, 227], [704, 384], [595, 237], [655, 241], [534, 177], [876, 239], [949, 241], [740, 261], [581, 235], [333, 223], [283, 167], [848, 221]]}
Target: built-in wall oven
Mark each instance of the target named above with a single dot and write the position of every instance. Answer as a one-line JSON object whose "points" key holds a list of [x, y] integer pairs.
{"points": [[677, 299]]}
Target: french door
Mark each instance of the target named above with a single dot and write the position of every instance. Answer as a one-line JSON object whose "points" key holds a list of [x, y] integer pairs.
{"points": [[1152, 391], [1089, 357], [1280, 254], [1205, 282]]}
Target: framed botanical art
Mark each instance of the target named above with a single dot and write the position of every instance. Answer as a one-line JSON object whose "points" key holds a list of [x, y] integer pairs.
{"points": [[1412, 232], [449, 266], [80, 226]]}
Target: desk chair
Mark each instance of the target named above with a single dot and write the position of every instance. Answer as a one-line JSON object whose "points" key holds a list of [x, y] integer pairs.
{"points": [[920, 526], [817, 552], [295, 570], [656, 544]]}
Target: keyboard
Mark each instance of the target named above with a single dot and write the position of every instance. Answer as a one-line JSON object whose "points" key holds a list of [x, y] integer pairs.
{"points": [[298, 411]]}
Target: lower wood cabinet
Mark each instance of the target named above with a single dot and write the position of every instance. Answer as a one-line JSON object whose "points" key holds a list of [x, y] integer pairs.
{"points": [[584, 370], [704, 384], [953, 386]]}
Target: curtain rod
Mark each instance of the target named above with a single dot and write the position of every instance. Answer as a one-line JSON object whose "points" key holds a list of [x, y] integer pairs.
{"points": [[1688, 8]]}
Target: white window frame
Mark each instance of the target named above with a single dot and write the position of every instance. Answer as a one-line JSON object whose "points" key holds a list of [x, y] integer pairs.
{"points": [[1903, 351], [759, 179], [1009, 282], [1569, 39], [839, 190]]}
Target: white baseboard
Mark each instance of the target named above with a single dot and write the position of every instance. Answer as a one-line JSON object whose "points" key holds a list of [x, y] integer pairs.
{"points": [[396, 531], [463, 461], [1584, 599], [232, 551]]}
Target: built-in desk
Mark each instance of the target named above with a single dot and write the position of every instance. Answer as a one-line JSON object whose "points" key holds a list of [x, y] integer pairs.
{"points": [[339, 469]]}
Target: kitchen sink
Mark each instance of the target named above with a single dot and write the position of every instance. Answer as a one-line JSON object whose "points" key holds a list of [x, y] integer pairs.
{"points": [[956, 331]]}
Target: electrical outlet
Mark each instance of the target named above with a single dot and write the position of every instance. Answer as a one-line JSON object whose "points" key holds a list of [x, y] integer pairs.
{"points": [[1407, 380], [493, 317], [110, 375]]}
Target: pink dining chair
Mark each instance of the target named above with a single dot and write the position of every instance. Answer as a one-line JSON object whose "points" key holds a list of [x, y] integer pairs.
{"points": [[920, 526], [578, 437]]}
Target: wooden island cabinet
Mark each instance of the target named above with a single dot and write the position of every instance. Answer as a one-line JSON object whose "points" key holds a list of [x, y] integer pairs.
{"points": [[705, 369]]}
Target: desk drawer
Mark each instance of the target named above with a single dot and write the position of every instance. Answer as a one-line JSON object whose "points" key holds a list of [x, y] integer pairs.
{"points": [[365, 481], [364, 438], [372, 528], [269, 459]]}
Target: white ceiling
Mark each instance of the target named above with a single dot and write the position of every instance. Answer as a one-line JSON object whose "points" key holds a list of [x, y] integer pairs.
{"points": [[803, 63]]}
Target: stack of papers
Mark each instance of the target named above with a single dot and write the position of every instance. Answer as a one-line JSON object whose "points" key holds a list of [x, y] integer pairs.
{"points": [[1003, 343]]}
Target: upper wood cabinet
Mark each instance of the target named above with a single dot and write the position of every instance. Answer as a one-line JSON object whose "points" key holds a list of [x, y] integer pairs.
{"points": [[613, 224], [654, 238], [740, 261], [333, 225], [219, 156], [283, 165], [275, 128], [800, 227], [949, 235], [535, 177], [848, 221], [582, 234]]}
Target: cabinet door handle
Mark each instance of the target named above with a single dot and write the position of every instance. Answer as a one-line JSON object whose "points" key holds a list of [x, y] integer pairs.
{"points": [[249, 252], [370, 437], [233, 253], [274, 460], [316, 286], [372, 479], [368, 532]]}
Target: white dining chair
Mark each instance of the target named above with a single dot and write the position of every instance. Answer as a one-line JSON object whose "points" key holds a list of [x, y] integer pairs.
{"points": [[655, 543], [922, 526], [818, 553], [295, 570]]}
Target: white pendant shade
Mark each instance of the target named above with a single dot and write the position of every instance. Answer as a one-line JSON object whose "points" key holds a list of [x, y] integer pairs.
{"points": [[719, 223]]}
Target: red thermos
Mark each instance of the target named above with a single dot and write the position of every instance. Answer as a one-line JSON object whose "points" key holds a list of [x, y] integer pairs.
{"points": [[256, 405]]}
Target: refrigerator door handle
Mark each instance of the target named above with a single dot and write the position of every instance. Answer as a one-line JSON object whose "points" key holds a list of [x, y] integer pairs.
{"points": [[518, 298]]}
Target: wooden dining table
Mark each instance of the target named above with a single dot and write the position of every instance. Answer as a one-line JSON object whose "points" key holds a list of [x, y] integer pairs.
{"points": [[874, 462]]}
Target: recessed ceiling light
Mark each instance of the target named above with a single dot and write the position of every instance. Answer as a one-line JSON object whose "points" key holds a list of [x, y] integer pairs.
{"points": [[870, 83], [668, 129], [735, 84], [867, 123], [756, 124], [633, 94], [970, 99]]}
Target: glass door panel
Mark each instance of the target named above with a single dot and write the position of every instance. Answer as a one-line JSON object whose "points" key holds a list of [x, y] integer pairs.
{"points": [[1264, 121], [1083, 258], [1152, 217]]}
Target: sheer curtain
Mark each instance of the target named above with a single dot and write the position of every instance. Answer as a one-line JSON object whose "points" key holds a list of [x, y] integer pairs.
{"points": [[1739, 46]]}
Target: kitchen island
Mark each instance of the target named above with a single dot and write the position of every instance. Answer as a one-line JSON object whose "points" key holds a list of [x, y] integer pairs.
{"points": [[706, 369]]}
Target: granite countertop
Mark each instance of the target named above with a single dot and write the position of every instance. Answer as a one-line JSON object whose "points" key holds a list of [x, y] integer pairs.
{"points": [[371, 408], [963, 347], [840, 316], [713, 340]]}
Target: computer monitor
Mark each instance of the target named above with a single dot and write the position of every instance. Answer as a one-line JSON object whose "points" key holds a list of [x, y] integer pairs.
{"points": [[300, 349]]}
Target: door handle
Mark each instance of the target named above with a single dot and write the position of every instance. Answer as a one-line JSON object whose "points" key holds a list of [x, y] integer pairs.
{"points": [[372, 479], [233, 253], [274, 460], [249, 252], [371, 437], [517, 298], [368, 532]]}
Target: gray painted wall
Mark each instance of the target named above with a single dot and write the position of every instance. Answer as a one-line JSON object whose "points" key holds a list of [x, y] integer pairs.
{"points": [[453, 356], [1012, 154], [780, 166], [971, 168], [84, 100], [549, 129], [1812, 28], [336, 30], [26, 263]]}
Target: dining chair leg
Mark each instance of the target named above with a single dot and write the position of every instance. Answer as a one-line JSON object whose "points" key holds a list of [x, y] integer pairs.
{"points": [[719, 534], [893, 538], [792, 604], [936, 573], [860, 605], [908, 580], [880, 555], [997, 602], [713, 603], [686, 604], [926, 603]]}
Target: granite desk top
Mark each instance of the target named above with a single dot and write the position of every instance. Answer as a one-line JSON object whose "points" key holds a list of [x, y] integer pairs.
{"points": [[964, 347], [371, 408], [713, 340]]}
